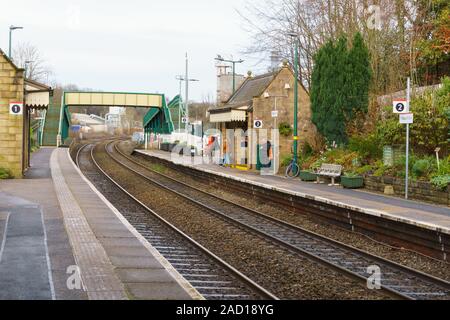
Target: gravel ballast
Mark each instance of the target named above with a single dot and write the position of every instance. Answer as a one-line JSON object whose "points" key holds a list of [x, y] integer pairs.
{"points": [[408, 258], [286, 275]]}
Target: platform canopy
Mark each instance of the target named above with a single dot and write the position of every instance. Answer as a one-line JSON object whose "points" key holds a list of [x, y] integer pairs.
{"points": [[37, 95]]}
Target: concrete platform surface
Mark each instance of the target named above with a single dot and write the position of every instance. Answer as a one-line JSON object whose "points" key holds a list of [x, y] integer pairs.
{"points": [[411, 212], [61, 239], [36, 251]]}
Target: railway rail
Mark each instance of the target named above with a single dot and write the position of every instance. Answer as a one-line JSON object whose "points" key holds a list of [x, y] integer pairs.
{"points": [[212, 277], [397, 280]]}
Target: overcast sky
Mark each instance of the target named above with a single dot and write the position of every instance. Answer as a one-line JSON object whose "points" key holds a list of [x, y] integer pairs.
{"points": [[131, 45]]}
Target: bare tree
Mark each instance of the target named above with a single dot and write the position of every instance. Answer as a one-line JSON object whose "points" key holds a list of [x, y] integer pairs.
{"points": [[391, 29], [28, 56]]}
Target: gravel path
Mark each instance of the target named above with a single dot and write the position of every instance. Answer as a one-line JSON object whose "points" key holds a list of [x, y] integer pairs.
{"points": [[286, 275], [408, 258]]}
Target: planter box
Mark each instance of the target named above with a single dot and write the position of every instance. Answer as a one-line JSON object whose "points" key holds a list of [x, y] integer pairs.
{"points": [[307, 176], [352, 182]]}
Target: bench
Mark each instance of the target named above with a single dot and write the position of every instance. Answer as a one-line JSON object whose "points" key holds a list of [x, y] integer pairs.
{"points": [[329, 170]]}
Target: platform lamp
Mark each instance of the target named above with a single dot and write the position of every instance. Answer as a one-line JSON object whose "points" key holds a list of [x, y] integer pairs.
{"points": [[294, 36], [11, 29]]}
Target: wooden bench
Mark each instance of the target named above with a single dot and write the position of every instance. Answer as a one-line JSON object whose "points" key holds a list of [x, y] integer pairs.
{"points": [[329, 170]]}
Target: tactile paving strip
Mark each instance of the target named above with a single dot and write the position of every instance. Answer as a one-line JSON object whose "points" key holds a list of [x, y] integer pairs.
{"points": [[97, 273]]}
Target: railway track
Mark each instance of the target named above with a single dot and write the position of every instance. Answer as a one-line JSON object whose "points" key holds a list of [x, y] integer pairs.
{"points": [[212, 277], [397, 280]]}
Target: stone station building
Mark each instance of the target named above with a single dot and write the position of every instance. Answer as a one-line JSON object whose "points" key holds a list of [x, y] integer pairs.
{"points": [[18, 98]]}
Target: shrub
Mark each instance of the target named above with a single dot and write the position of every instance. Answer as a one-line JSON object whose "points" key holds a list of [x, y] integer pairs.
{"points": [[381, 171], [5, 174], [285, 129], [421, 168], [444, 167], [441, 182], [307, 150], [351, 174], [364, 170], [430, 128], [368, 147]]}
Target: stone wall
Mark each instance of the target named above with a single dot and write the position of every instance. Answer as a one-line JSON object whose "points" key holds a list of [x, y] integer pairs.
{"points": [[11, 127], [285, 105], [417, 190]]}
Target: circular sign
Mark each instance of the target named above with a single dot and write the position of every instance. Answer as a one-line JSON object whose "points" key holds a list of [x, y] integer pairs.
{"points": [[400, 107], [258, 124], [16, 108]]}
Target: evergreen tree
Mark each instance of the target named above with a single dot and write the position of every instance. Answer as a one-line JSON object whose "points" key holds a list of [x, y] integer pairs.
{"points": [[339, 87], [359, 77]]}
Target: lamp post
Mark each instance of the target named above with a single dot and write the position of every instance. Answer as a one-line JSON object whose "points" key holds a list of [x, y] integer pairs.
{"points": [[295, 156], [181, 79], [219, 58], [11, 29]]}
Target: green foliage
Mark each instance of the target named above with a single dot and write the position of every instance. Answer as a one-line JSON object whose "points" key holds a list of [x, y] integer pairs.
{"points": [[364, 170], [339, 156], [5, 174], [421, 168], [441, 182], [368, 147], [381, 171], [359, 77], [158, 168], [285, 129], [351, 174], [444, 168], [307, 150], [340, 85], [431, 122], [285, 160]]}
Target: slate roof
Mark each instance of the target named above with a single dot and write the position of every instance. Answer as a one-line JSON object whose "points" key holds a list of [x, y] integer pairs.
{"points": [[251, 88]]}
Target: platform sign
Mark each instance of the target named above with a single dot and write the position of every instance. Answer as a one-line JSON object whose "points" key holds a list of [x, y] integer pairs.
{"points": [[401, 106], [257, 124], [275, 114], [16, 108], [406, 118]]}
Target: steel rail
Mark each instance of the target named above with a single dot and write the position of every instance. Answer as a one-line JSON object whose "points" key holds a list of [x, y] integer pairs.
{"points": [[249, 283], [444, 285]]}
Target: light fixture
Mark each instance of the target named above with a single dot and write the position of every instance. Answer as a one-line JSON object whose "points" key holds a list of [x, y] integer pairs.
{"points": [[266, 95], [287, 86]]}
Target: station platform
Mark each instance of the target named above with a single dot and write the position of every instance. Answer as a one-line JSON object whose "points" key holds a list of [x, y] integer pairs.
{"points": [[423, 215], [60, 239]]}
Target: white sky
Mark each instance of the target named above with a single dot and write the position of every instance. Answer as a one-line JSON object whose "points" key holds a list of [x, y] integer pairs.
{"points": [[131, 45]]}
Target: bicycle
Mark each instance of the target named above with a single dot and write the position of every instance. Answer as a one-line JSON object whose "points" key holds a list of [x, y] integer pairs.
{"points": [[293, 170]]}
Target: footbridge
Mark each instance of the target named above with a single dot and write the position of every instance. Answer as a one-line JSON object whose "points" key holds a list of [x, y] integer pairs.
{"points": [[152, 101]]}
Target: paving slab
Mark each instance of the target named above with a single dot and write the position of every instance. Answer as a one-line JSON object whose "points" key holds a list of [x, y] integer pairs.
{"points": [[112, 256], [34, 196]]}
